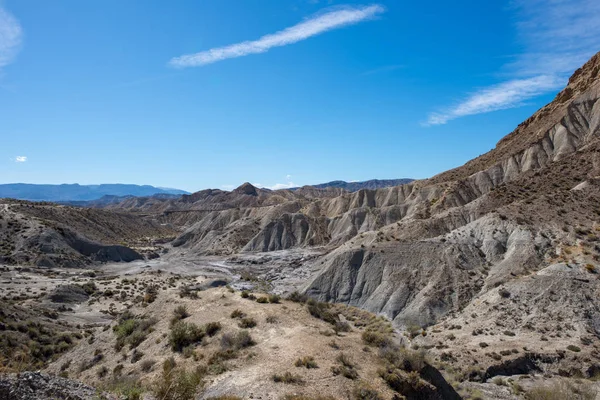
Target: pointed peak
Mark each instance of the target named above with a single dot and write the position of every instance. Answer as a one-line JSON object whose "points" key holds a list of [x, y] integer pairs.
{"points": [[246, 188]]}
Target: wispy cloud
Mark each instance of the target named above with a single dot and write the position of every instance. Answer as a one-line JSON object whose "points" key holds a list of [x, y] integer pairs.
{"points": [[10, 37], [20, 159], [557, 37], [310, 27], [287, 185], [504, 95]]}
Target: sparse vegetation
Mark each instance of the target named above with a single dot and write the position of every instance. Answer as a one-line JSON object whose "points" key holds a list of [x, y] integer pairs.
{"points": [[175, 383], [288, 377], [179, 313], [297, 297], [132, 330], [307, 362], [184, 334], [240, 340], [247, 322]]}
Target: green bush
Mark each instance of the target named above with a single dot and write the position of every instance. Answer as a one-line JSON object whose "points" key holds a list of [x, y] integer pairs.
{"points": [[184, 334]]}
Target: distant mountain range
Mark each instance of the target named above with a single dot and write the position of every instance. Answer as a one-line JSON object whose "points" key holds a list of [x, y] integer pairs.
{"points": [[98, 195], [76, 192], [355, 186]]}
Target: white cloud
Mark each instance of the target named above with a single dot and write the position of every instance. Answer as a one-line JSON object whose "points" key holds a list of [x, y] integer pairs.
{"points": [[310, 27], [20, 159], [278, 186], [289, 184], [557, 37], [504, 95], [10, 37]]}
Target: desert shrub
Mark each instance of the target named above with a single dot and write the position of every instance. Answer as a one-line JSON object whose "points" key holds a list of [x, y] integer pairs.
{"points": [[363, 391], [307, 362], [341, 327], [89, 287], [188, 292], [272, 319], [136, 338], [287, 377], [247, 295], [146, 365], [321, 311], [212, 328], [131, 330], [179, 313], [118, 370], [590, 268], [559, 391], [184, 334], [136, 356], [262, 300], [102, 372], [346, 367], [344, 371], [374, 338], [403, 358], [402, 382], [85, 365], [297, 297], [237, 313], [176, 383], [126, 388], [247, 323], [273, 298], [573, 348], [150, 294], [240, 340]]}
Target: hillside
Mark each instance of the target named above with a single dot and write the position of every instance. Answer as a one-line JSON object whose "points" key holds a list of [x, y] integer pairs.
{"points": [[76, 192], [50, 235], [356, 186]]}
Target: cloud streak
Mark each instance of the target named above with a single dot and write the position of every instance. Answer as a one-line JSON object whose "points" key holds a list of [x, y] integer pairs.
{"points": [[10, 37], [557, 37], [304, 30], [20, 159]]}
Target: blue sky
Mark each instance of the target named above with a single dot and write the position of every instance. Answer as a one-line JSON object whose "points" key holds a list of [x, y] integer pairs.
{"points": [[198, 94]]}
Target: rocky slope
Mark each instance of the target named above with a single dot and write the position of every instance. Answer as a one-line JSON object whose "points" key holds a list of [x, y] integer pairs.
{"points": [[356, 186], [50, 235]]}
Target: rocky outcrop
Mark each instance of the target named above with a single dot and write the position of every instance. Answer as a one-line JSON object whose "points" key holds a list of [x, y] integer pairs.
{"points": [[39, 386]]}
